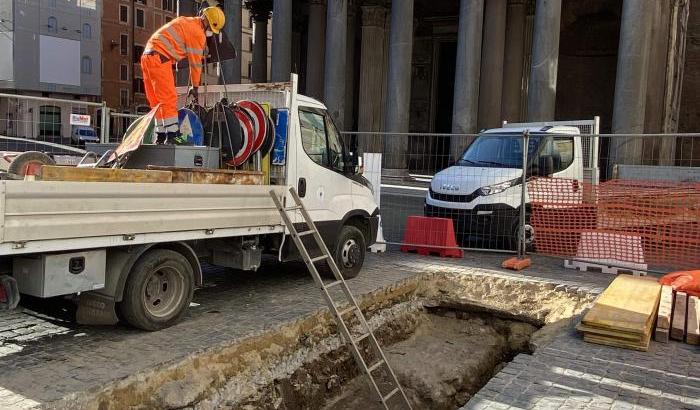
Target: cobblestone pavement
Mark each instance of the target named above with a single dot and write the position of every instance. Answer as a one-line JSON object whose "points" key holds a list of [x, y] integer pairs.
{"points": [[45, 356], [572, 374]]}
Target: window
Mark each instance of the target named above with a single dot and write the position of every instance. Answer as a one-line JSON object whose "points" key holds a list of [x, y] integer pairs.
{"points": [[123, 13], [169, 5], [138, 86], [53, 24], [250, 71], [138, 51], [49, 121], [86, 65], [250, 43], [144, 2], [124, 97], [87, 31], [562, 152], [124, 72], [321, 140], [124, 44], [140, 18], [168, 19]]}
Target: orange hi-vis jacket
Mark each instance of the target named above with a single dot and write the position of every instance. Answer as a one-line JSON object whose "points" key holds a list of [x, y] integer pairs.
{"points": [[184, 37]]}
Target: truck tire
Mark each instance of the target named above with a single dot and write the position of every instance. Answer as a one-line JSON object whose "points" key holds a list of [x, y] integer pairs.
{"points": [[158, 290], [350, 251]]}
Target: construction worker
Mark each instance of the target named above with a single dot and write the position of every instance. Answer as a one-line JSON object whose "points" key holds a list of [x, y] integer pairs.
{"points": [[184, 37]]}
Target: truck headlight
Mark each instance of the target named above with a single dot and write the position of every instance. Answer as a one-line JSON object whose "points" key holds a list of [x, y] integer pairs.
{"points": [[498, 188]]}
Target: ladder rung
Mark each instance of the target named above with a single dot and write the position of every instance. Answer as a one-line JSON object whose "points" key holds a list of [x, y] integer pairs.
{"points": [[319, 258], [293, 208], [361, 338], [345, 311], [305, 233], [336, 283], [376, 366], [391, 394]]}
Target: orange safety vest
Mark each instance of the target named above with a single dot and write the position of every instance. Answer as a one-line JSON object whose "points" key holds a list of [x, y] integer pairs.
{"points": [[180, 38]]}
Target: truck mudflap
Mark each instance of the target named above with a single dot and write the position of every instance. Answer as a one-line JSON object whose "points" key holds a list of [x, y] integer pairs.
{"points": [[9, 293]]}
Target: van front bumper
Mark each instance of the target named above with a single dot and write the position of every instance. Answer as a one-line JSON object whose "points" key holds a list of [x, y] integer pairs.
{"points": [[484, 226]]}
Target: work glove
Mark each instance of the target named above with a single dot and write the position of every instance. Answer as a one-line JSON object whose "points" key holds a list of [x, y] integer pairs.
{"points": [[194, 93]]}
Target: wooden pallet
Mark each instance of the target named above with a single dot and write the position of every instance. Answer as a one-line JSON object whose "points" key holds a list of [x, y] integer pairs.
{"points": [[678, 318], [603, 268]]}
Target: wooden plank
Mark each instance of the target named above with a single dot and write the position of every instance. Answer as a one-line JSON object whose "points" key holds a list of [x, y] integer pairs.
{"points": [[74, 174], [663, 319], [628, 304], [212, 176], [661, 335], [633, 337], [678, 321], [643, 346], [693, 336]]}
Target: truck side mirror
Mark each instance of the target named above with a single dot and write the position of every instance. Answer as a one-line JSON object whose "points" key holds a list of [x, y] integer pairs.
{"points": [[545, 166]]}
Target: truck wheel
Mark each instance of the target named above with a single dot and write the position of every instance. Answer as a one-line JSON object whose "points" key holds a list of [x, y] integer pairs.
{"points": [[158, 290], [350, 251], [529, 235]]}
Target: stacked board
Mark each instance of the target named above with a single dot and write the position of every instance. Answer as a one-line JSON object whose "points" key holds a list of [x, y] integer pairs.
{"points": [[678, 317], [624, 314]]}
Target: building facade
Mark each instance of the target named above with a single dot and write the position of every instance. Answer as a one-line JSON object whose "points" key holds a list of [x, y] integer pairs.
{"points": [[461, 66], [50, 49]]}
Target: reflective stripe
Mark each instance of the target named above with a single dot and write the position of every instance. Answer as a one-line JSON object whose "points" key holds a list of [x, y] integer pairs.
{"points": [[169, 47], [196, 51], [169, 121], [172, 128], [196, 65], [160, 129], [176, 37]]}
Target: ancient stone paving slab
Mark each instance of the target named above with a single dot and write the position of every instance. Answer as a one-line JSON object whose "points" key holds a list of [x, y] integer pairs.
{"points": [[572, 374], [45, 355]]}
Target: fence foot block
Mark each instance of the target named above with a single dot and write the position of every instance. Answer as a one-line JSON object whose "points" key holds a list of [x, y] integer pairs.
{"points": [[516, 263]]}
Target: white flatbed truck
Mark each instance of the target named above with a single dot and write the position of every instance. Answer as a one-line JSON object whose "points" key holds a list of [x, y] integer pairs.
{"points": [[137, 248]]}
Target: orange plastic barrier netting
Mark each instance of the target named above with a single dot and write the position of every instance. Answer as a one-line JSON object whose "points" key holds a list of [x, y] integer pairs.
{"points": [[640, 222]]}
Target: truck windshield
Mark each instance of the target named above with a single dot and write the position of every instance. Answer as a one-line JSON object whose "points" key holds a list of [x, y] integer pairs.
{"points": [[498, 151]]}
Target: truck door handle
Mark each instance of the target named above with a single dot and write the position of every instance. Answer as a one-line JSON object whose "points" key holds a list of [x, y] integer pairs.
{"points": [[301, 188]]}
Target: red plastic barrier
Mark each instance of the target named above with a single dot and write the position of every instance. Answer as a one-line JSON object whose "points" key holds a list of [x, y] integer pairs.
{"points": [[431, 236]]}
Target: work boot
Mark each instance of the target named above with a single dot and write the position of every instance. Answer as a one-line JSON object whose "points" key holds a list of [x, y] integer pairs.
{"points": [[161, 138]]}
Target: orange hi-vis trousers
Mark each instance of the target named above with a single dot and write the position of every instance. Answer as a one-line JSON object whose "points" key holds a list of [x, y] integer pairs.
{"points": [[159, 83]]}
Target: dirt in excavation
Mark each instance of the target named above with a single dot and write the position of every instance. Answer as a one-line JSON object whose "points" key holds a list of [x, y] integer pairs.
{"points": [[444, 362]]}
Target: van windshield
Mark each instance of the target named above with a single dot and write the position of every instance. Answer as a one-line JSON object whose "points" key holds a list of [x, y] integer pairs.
{"points": [[86, 133], [498, 151]]}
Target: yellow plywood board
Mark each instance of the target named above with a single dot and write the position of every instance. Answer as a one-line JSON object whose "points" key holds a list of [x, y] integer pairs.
{"points": [[626, 344], [629, 304], [590, 330], [74, 174]]}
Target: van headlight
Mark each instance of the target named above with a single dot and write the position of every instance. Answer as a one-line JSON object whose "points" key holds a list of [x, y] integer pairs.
{"points": [[498, 188]]}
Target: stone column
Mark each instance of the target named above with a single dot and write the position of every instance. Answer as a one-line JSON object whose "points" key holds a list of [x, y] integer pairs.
{"points": [[631, 81], [491, 82], [542, 91], [231, 69], [467, 73], [513, 61], [398, 86], [260, 16], [316, 48], [336, 50], [350, 68], [281, 40], [372, 68]]}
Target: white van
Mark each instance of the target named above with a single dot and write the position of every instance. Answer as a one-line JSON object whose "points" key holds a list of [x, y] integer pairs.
{"points": [[481, 192]]}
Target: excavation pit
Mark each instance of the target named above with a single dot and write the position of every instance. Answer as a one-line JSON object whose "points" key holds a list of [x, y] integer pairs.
{"points": [[444, 335]]}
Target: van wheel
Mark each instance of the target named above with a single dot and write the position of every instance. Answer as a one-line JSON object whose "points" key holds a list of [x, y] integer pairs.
{"points": [[350, 251], [529, 235], [158, 290]]}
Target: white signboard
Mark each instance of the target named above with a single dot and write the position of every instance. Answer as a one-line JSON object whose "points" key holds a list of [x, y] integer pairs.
{"points": [[80, 119]]}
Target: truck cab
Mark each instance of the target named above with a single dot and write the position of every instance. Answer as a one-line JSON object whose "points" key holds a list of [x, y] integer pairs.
{"points": [[481, 191]]}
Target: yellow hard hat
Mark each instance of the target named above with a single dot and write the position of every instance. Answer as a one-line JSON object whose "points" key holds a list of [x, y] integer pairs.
{"points": [[216, 18]]}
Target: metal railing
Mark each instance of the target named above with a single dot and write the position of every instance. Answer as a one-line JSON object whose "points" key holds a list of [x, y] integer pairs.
{"points": [[480, 190]]}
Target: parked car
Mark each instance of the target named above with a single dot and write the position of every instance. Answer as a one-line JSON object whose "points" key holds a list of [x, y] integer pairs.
{"points": [[82, 134]]}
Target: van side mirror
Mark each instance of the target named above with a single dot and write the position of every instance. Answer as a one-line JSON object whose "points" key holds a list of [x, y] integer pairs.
{"points": [[545, 166]]}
